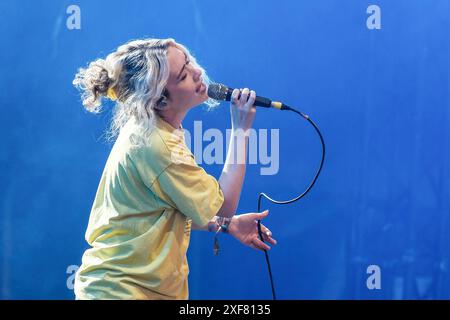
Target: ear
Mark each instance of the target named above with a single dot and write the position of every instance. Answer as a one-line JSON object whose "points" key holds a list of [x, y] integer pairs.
{"points": [[162, 101]]}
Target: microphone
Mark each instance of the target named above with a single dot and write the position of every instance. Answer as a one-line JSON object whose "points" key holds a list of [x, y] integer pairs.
{"points": [[220, 91]]}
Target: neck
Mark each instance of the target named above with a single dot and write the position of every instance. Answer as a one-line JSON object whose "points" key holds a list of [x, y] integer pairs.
{"points": [[172, 118]]}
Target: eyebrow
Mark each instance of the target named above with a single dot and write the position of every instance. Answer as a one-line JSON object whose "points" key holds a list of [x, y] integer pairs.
{"points": [[183, 67]]}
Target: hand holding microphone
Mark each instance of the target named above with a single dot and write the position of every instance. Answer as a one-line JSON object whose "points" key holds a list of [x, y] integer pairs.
{"points": [[241, 108]]}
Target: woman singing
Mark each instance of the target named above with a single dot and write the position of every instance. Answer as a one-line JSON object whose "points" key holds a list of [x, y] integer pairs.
{"points": [[152, 192]]}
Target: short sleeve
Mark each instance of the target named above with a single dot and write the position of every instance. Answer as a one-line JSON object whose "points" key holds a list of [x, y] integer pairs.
{"points": [[191, 190]]}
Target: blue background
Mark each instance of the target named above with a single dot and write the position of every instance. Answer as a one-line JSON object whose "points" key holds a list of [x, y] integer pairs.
{"points": [[380, 97]]}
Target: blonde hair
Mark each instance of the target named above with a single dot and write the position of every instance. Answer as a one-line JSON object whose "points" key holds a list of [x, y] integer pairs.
{"points": [[135, 75]]}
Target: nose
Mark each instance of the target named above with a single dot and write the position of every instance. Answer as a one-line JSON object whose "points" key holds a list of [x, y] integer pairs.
{"points": [[197, 74]]}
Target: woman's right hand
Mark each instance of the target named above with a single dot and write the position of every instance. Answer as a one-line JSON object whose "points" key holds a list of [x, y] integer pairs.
{"points": [[242, 111]]}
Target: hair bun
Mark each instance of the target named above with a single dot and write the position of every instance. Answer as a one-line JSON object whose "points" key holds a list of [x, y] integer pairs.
{"points": [[94, 82]]}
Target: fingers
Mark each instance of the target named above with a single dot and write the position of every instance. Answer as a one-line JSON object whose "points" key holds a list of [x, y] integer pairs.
{"points": [[260, 245], [257, 244], [251, 99], [243, 97], [261, 215], [267, 236], [234, 96]]}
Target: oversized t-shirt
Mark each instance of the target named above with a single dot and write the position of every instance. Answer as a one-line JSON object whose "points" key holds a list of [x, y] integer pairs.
{"points": [[140, 222]]}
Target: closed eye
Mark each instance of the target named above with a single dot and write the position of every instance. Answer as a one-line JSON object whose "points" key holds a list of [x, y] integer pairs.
{"points": [[185, 75]]}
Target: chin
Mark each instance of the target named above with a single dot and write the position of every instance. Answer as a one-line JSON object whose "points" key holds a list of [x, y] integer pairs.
{"points": [[198, 101], [201, 97], [204, 97]]}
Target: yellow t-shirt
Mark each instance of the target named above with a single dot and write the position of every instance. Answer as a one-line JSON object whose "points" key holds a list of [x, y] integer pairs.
{"points": [[140, 222]]}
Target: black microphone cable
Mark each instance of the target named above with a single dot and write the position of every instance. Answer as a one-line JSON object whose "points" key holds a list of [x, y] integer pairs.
{"points": [[262, 194]]}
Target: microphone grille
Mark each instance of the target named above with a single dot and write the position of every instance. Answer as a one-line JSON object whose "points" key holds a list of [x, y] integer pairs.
{"points": [[217, 91]]}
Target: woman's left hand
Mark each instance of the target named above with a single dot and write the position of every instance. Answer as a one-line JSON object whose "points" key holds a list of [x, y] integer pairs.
{"points": [[244, 228]]}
